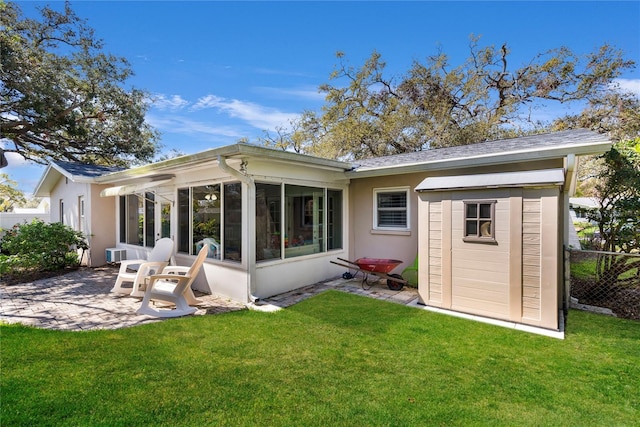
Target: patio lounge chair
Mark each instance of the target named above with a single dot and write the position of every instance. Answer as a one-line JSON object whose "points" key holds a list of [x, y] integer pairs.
{"points": [[174, 288], [137, 270], [214, 247]]}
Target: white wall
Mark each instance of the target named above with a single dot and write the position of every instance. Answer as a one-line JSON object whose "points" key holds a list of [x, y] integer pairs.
{"points": [[9, 219]]}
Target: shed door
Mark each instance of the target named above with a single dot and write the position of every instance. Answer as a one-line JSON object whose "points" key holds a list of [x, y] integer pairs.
{"points": [[480, 253]]}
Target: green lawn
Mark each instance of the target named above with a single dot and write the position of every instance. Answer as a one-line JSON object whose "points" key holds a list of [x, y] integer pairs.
{"points": [[334, 359]]}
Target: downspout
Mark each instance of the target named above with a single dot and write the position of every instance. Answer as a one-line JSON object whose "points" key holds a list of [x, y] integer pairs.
{"points": [[570, 188], [250, 227], [571, 171]]}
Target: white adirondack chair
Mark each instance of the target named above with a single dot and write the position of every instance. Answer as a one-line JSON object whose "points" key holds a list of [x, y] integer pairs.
{"points": [[173, 287], [137, 270]]}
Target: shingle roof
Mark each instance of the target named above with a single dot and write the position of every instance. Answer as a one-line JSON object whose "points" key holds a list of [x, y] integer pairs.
{"points": [[522, 144], [87, 170]]}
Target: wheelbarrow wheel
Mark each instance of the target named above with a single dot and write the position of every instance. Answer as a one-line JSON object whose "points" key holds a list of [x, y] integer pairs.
{"points": [[395, 285]]}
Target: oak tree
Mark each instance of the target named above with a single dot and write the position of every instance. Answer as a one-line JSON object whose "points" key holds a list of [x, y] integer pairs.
{"points": [[368, 113], [10, 195], [63, 97]]}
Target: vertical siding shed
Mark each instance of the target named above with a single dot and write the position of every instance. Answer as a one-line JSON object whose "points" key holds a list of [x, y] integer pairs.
{"points": [[511, 273]]}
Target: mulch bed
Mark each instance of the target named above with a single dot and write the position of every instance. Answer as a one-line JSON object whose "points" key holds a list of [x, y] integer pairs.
{"points": [[624, 302]]}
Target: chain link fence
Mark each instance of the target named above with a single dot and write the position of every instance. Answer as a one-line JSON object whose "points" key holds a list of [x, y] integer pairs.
{"points": [[607, 280]]}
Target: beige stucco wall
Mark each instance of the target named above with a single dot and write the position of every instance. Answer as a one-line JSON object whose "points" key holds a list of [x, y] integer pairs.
{"points": [[364, 241], [367, 242], [101, 219], [517, 279], [98, 224]]}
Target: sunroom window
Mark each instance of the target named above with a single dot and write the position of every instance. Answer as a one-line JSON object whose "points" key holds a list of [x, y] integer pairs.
{"points": [[268, 221], [304, 220], [210, 215], [292, 218], [137, 219]]}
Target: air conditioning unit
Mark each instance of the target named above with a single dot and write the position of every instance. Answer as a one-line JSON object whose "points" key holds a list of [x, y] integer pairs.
{"points": [[116, 255]]}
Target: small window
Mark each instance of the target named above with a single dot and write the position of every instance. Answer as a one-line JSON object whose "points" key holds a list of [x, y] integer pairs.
{"points": [[391, 210], [479, 221], [61, 209], [81, 218]]}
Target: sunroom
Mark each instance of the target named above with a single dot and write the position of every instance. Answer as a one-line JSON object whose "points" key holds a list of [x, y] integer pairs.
{"points": [[270, 219]]}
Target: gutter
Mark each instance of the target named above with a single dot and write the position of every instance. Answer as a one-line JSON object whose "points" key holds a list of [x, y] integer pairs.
{"points": [[250, 210]]}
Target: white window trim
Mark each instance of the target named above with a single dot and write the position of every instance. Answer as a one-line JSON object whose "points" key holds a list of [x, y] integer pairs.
{"points": [[478, 238], [377, 191]]}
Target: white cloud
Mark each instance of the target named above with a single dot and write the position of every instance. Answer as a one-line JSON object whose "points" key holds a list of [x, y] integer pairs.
{"points": [[256, 115], [629, 85], [14, 159], [183, 125], [172, 102], [17, 161], [209, 101], [306, 93], [25, 173]]}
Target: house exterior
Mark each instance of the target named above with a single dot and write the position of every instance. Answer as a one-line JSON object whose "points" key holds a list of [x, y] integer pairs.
{"points": [[490, 221], [75, 201], [273, 220]]}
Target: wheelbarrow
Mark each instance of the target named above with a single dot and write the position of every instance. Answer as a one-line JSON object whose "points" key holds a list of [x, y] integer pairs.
{"points": [[376, 267]]}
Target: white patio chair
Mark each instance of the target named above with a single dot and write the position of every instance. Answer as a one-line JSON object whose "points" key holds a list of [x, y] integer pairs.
{"points": [[137, 270], [214, 247], [172, 287]]}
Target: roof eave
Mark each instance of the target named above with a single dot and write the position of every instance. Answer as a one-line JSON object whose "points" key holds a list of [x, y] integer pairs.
{"points": [[43, 188], [49, 178], [235, 150], [485, 160]]}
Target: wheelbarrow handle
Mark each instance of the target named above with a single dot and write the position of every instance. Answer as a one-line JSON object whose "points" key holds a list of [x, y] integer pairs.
{"points": [[344, 265], [349, 262]]}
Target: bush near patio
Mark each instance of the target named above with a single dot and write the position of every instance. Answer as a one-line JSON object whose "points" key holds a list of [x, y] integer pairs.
{"points": [[37, 247]]}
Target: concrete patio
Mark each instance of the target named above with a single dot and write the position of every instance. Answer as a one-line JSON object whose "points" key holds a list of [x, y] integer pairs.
{"points": [[81, 300]]}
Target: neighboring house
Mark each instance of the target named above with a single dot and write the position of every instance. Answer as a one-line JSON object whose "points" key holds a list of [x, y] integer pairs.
{"points": [[24, 215], [75, 201], [42, 208], [487, 221], [580, 206]]}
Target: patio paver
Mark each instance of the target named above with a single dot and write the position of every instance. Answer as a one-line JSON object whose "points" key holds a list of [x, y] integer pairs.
{"points": [[81, 300]]}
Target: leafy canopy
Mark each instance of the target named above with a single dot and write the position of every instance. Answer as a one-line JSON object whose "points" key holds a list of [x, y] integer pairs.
{"points": [[10, 195], [63, 98], [435, 104], [618, 193]]}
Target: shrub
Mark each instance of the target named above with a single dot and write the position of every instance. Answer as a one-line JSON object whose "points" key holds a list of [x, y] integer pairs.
{"points": [[40, 246]]}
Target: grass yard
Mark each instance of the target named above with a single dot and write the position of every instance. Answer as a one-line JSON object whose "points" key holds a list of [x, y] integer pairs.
{"points": [[334, 359]]}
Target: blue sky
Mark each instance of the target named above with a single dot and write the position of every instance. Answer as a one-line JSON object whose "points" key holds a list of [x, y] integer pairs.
{"points": [[221, 71]]}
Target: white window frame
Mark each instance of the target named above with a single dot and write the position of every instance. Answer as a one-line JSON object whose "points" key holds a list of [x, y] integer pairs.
{"points": [[478, 237], [82, 225], [377, 191], [61, 210]]}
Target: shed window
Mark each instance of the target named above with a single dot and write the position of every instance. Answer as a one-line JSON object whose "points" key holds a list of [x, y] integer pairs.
{"points": [[391, 210], [479, 221]]}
